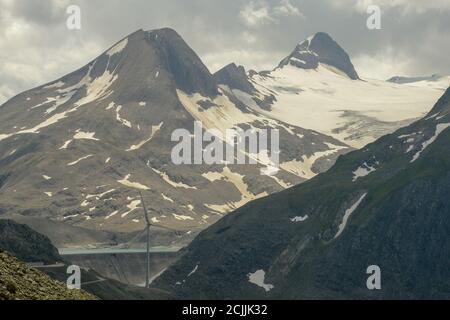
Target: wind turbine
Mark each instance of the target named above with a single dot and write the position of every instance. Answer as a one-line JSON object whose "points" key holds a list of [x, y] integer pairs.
{"points": [[147, 273]]}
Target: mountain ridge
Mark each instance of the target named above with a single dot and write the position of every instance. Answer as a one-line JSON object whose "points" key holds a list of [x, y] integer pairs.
{"points": [[82, 146]]}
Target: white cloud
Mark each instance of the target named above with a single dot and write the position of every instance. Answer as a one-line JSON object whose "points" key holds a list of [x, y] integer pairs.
{"points": [[405, 6], [260, 12], [36, 47], [383, 65], [32, 53], [255, 13], [285, 8], [5, 93], [250, 59]]}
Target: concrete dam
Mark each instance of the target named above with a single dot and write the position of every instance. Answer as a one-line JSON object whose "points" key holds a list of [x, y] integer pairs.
{"points": [[125, 265]]}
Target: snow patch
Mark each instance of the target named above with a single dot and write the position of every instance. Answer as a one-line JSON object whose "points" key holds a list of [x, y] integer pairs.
{"points": [[258, 278], [155, 220], [133, 205], [167, 179], [439, 129], [303, 168], [58, 84], [238, 181], [299, 219], [136, 185], [167, 198], [347, 214], [79, 160], [80, 135], [111, 215], [363, 171], [96, 90], [154, 130], [118, 47], [193, 271], [99, 196], [66, 144], [120, 119], [181, 217], [410, 148]]}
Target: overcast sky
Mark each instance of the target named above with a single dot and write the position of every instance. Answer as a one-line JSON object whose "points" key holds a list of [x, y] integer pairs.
{"points": [[36, 46]]}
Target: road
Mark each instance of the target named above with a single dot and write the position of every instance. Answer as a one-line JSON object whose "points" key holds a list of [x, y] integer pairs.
{"points": [[112, 250]]}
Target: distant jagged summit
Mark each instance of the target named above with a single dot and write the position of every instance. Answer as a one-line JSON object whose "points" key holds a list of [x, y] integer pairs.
{"points": [[404, 80], [235, 77], [320, 48]]}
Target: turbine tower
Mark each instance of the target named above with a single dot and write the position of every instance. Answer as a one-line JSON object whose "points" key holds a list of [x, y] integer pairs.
{"points": [[147, 273]]}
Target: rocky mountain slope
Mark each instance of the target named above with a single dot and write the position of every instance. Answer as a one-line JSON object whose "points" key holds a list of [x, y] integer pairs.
{"points": [[19, 282], [385, 205]]}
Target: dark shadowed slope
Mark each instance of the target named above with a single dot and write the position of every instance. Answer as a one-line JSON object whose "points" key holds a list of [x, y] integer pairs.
{"points": [[26, 244]]}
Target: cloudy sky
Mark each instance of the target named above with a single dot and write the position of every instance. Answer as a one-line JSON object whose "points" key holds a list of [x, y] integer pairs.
{"points": [[36, 46]]}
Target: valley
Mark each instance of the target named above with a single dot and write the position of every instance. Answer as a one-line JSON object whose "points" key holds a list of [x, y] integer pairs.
{"points": [[348, 172]]}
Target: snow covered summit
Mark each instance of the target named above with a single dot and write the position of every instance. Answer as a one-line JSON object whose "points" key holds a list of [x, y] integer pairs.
{"points": [[320, 48]]}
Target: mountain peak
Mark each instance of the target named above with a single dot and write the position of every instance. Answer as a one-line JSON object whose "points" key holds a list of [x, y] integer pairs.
{"points": [[143, 56], [318, 37], [235, 77], [185, 66], [320, 48]]}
